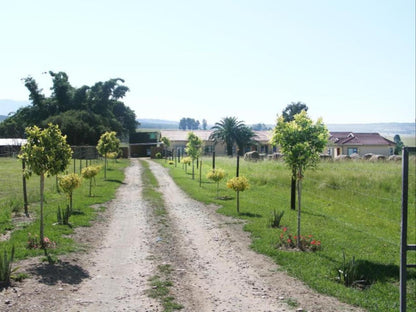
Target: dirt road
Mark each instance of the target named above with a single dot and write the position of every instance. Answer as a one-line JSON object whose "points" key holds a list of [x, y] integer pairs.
{"points": [[213, 267]]}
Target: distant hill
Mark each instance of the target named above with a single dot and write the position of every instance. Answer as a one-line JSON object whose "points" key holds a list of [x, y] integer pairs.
{"points": [[158, 124], [11, 106], [2, 117], [386, 129]]}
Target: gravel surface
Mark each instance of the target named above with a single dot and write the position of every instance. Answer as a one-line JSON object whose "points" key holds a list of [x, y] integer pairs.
{"points": [[213, 268]]}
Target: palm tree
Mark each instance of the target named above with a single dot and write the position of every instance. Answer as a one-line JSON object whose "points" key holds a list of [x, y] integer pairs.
{"points": [[230, 131]]}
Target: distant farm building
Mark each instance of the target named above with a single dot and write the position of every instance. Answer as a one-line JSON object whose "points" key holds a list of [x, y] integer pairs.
{"points": [[348, 143], [11, 147]]}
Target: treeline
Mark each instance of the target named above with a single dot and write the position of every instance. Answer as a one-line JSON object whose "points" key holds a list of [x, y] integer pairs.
{"points": [[191, 124], [82, 114]]}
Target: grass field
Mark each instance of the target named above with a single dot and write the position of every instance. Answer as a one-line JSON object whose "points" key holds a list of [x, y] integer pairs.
{"points": [[11, 205], [351, 207]]}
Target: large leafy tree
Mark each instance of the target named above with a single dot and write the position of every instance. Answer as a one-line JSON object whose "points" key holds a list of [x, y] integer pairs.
{"points": [[45, 153], [288, 115], [245, 136], [227, 131], [301, 142], [293, 109], [83, 114]]}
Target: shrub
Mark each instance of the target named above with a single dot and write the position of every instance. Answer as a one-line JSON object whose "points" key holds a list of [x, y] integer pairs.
{"points": [[6, 267], [158, 155], [186, 160], [238, 184], [33, 242], [276, 218], [287, 240], [349, 274], [63, 216]]}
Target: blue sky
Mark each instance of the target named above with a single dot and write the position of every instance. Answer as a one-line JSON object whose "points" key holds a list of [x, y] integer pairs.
{"points": [[349, 61]]}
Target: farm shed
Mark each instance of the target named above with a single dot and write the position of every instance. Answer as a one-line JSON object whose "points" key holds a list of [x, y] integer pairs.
{"points": [[142, 142], [11, 147], [348, 143]]}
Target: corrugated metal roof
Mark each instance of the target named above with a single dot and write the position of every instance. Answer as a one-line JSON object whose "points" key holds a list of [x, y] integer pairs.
{"points": [[12, 142]]}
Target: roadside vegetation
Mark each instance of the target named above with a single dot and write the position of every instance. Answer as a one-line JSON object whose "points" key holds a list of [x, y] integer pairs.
{"points": [[353, 209], [22, 232]]}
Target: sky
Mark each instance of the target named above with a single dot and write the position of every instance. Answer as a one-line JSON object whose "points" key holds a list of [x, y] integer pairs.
{"points": [[348, 61]]}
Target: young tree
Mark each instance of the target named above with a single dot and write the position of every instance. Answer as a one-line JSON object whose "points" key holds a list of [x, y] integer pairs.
{"points": [[107, 143], [89, 173], [45, 153], [301, 141], [238, 184], [193, 149], [288, 114], [216, 175], [69, 183]]}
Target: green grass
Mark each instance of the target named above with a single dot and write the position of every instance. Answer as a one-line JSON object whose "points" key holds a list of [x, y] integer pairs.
{"points": [[84, 213], [353, 207]]}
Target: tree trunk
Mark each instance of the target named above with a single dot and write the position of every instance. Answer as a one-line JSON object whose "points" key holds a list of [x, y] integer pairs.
{"points": [[237, 173], [193, 169], [299, 197], [293, 192], [41, 234], [25, 190], [229, 150], [105, 167], [238, 201]]}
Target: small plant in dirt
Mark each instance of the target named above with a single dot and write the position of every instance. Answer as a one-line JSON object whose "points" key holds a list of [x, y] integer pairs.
{"points": [[68, 184], [349, 273], [62, 216], [216, 175], [238, 184], [6, 267], [89, 173], [276, 218], [289, 241], [33, 242]]}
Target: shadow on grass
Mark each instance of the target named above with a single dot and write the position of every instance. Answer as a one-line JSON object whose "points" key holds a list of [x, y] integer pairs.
{"points": [[77, 212], [65, 272], [378, 272], [250, 215], [116, 181]]}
